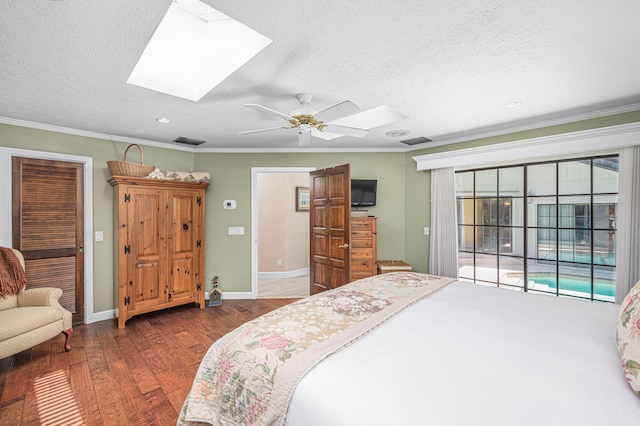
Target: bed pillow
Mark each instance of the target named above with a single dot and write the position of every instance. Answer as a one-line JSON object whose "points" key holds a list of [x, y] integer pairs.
{"points": [[628, 337]]}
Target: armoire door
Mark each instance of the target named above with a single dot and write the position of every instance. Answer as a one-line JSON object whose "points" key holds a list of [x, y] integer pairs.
{"points": [[48, 226], [330, 215], [146, 244], [183, 244]]}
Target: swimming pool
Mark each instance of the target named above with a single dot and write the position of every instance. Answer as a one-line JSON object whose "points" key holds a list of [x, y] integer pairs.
{"points": [[577, 285]]}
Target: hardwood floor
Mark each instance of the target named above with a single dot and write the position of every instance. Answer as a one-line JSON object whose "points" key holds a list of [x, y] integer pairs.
{"points": [[139, 375], [279, 288]]}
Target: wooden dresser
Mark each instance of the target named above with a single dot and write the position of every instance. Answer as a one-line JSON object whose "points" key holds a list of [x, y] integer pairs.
{"points": [[159, 244], [364, 247]]}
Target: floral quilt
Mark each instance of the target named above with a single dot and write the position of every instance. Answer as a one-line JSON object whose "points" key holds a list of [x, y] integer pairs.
{"points": [[248, 376]]}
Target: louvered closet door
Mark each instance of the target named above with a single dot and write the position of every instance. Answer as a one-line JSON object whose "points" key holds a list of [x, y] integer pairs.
{"points": [[48, 226]]}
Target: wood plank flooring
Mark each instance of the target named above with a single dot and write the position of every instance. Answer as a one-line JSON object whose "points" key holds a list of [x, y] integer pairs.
{"points": [[282, 288], [139, 375]]}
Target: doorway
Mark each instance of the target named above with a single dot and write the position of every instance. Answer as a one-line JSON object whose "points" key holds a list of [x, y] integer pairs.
{"points": [[48, 226], [273, 233], [6, 230]]}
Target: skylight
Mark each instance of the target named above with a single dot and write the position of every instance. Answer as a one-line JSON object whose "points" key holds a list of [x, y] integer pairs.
{"points": [[194, 49]]}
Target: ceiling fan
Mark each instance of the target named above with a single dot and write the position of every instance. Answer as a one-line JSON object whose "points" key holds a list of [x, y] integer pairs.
{"points": [[342, 119]]}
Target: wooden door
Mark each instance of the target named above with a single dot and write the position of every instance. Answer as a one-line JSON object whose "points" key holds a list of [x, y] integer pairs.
{"points": [[48, 226], [183, 242], [330, 214], [146, 243]]}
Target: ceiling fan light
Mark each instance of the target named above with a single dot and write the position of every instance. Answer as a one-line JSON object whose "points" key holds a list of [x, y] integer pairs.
{"points": [[304, 128]]}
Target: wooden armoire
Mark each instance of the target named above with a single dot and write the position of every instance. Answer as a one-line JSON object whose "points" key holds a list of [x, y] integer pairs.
{"points": [[159, 244]]}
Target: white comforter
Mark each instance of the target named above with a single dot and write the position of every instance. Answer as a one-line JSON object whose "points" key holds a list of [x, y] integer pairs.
{"points": [[472, 355]]}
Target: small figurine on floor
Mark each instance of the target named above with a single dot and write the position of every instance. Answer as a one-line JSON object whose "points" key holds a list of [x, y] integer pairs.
{"points": [[215, 295]]}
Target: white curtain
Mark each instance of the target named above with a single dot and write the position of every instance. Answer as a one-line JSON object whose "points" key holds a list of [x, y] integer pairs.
{"points": [[628, 225], [443, 250]]}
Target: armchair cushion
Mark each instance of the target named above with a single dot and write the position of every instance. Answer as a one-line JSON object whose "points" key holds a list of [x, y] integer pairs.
{"points": [[8, 302], [19, 321], [43, 296]]}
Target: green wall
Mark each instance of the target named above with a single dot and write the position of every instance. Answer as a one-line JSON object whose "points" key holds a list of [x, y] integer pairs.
{"points": [[229, 257], [226, 256], [403, 194], [101, 151]]}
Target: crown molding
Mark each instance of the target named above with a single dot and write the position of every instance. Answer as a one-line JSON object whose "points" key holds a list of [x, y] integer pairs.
{"points": [[604, 138], [94, 135], [528, 125], [463, 137]]}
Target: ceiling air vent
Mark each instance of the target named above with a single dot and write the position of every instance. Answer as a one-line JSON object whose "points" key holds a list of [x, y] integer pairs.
{"points": [[416, 141], [188, 141]]}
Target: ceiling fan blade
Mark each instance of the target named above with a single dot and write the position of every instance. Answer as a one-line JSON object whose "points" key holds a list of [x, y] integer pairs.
{"points": [[248, 132], [268, 111], [370, 118], [327, 136], [337, 111], [347, 131], [304, 138]]}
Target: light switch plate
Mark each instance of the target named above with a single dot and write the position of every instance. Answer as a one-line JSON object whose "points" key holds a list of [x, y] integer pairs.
{"points": [[99, 236], [236, 230]]}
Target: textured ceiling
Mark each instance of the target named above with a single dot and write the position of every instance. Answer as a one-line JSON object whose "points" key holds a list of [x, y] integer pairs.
{"points": [[450, 66]]}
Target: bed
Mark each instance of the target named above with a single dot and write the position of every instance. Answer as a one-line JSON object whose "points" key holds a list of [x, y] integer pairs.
{"points": [[413, 349]]}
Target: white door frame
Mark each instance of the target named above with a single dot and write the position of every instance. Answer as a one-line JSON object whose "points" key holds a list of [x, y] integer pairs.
{"points": [[6, 202], [255, 171]]}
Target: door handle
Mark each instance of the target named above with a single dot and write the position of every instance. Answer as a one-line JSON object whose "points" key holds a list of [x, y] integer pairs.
{"points": [[80, 249], [344, 246]]}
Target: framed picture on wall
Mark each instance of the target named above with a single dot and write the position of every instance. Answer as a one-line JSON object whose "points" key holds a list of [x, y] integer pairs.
{"points": [[302, 199]]}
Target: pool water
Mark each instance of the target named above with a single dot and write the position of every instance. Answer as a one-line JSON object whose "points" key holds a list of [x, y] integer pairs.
{"points": [[578, 285]]}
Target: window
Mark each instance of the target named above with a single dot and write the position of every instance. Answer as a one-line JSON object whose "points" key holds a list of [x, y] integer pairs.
{"points": [[541, 227]]}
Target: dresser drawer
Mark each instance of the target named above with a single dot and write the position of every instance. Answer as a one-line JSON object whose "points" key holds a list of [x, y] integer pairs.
{"points": [[362, 243], [362, 233], [360, 225], [361, 253], [359, 266]]}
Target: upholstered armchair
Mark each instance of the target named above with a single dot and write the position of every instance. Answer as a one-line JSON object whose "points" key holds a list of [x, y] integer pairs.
{"points": [[31, 317]]}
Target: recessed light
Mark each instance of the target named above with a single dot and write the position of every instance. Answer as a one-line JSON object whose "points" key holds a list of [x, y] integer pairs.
{"points": [[397, 133], [163, 120], [514, 104]]}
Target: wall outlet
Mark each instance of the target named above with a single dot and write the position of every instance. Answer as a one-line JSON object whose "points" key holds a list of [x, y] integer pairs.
{"points": [[279, 262], [426, 230], [206, 295]]}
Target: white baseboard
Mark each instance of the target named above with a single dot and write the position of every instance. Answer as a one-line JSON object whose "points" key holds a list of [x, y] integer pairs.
{"points": [[286, 274], [230, 295], [102, 316]]}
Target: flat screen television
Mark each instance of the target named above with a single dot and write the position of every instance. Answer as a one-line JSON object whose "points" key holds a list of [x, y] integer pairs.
{"points": [[363, 192]]}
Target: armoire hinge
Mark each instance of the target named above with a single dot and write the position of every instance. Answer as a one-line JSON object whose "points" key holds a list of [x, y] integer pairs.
{"points": [[127, 300], [199, 201], [127, 249], [198, 243], [199, 287], [127, 198]]}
